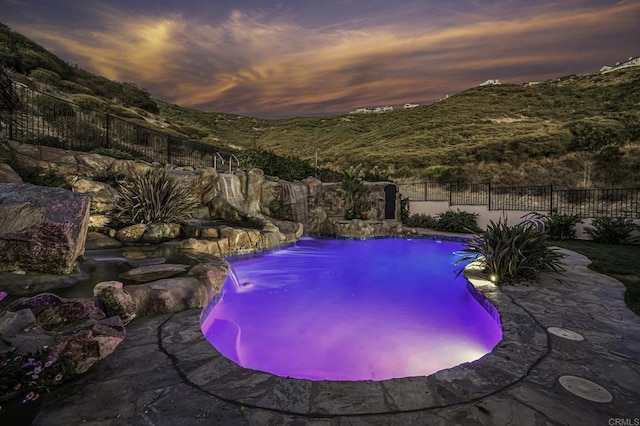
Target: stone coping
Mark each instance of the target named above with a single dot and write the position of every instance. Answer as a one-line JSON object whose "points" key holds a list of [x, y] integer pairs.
{"points": [[523, 345]]}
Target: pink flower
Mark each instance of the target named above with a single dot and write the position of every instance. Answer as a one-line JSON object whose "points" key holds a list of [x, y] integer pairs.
{"points": [[3, 294]]}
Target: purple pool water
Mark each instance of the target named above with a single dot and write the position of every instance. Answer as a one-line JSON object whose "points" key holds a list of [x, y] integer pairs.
{"points": [[350, 310]]}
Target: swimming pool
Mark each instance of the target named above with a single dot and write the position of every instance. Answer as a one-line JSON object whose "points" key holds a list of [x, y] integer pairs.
{"points": [[327, 309]]}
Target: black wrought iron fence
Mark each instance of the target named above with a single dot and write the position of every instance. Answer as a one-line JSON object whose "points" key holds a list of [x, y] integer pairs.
{"points": [[48, 120], [616, 202], [535, 198], [470, 194]]}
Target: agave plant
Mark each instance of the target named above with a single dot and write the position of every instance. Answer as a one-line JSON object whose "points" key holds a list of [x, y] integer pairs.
{"points": [[513, 253], [154, 197]]}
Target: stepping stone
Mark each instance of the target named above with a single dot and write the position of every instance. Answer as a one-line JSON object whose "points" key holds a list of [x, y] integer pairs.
{"points": [[146, 262], [148, 273]]}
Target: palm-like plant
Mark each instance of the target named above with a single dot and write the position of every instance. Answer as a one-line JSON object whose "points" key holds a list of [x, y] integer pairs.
{"points": [[513, 253], [353, 190]]}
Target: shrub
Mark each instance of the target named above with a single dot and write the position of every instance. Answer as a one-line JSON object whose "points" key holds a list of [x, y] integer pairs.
{"points": [[52, 108], [91, 102], [606, 230], [512, 253], [113, 153], [287, 168], [560, 226], [457, 221], [404, 209], [154, 197], [421, 220], [50, 177]]}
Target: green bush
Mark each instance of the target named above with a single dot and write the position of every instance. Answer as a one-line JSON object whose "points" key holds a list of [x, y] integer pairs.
{"points": [[155, 197], [45, 76], [512, 253], [52, 108], [560, 226], [457, 221], [91, 102], [606, 230], [113, 153], [421, 220], [287, 168], [404, 209], [49, 177]]}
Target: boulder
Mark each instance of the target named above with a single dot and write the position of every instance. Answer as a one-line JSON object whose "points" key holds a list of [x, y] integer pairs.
{"points": [[8, 175], [169, 295], [96, 240], [41, 229], [89, 343], [103, 196], [238, 237], [203, 246], [74, 327], [158, 232], [96, 165], [52, 311], [129, 168], [115, 301], [131, 234], [212, 274], [14, 322]]}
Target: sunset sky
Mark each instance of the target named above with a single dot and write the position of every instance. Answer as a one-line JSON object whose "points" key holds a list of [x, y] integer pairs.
{"points": [[307, 57]]}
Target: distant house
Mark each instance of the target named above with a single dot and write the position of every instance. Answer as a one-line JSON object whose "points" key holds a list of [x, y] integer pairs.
{"points": [[631, 62], [410, 106], [383, 109], [361, 111], [490, 82]]}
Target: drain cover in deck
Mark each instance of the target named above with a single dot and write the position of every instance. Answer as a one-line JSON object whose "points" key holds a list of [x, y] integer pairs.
{"points": [[565, 334], [585, 389]]}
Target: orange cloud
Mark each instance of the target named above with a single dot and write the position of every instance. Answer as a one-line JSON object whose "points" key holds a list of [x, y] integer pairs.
{"points": [[256, 65]]}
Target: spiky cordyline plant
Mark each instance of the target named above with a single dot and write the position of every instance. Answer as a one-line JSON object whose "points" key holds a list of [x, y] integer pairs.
{"points": [[154, 197], [513, 253]]}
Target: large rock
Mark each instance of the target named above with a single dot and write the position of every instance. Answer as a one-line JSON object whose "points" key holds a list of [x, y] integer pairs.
{"points": [[115, 301], [73, 327], [103, 196], [8, 175], [169, 295], [41, 229], [132, 233]]}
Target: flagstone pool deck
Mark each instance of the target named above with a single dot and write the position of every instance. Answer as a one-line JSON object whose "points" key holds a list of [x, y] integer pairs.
{"points": [[166, 373]]}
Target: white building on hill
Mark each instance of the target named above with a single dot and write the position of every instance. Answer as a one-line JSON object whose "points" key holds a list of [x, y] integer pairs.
{"points": [[631, 62]]}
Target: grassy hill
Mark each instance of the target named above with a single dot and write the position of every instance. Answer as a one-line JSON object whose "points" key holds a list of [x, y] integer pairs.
{"points": [[573, 131]]}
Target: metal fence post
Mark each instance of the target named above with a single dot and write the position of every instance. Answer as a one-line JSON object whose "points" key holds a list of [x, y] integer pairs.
{"points": [[450, 184], [550, 199], [168, 149], [108, 131], [489, 195]]}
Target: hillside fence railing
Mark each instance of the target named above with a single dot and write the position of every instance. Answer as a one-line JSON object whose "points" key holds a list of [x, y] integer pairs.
{"points": [[593, 203], [48, 120]]}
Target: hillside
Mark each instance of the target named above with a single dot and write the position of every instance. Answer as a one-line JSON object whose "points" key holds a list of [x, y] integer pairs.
{"points": [[573, 131]]}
